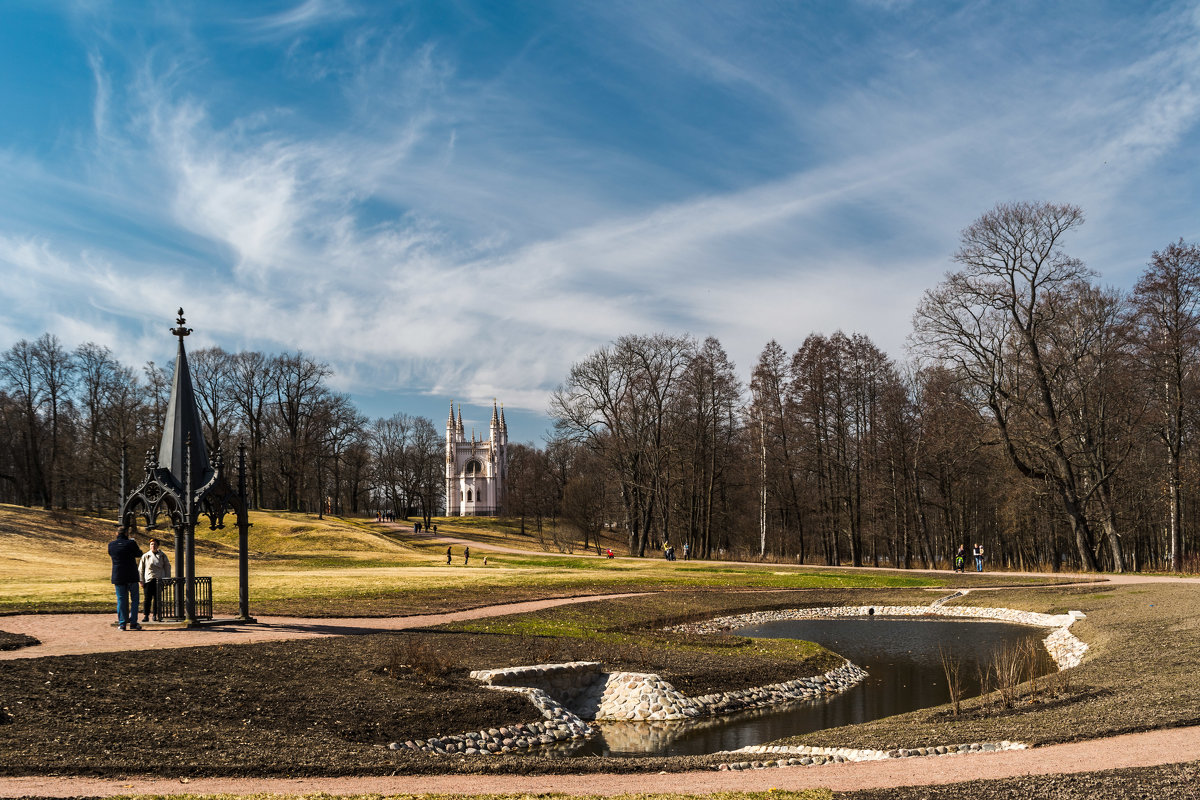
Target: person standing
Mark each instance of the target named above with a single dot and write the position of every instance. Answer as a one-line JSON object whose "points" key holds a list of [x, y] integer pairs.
{"points": [[153, 567], [466, 555], [447, 555], [977, 551], [125, 553]]}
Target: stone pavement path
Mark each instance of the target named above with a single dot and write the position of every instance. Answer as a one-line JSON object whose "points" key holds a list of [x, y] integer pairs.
{"points": [[1134, 750]]}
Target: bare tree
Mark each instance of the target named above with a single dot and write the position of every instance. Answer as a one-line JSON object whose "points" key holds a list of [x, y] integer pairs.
{"points": [[585, 505], [708, 435], [299, 385], [98, 371], [427, 455], [55, 369], [158, 389], [1167, 302], [389, 441], [212, 380], [617, 402], [19, 377], [252, 386], [989, 320]]}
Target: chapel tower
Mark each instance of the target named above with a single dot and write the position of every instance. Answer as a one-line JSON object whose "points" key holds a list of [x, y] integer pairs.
{"points": [[475, 468]]}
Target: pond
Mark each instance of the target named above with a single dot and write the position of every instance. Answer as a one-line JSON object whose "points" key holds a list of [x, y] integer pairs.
{"points": [[902, 655]]}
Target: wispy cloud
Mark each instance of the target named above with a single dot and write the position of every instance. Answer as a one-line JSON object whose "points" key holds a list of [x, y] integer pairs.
{"points": [[449, 226]]}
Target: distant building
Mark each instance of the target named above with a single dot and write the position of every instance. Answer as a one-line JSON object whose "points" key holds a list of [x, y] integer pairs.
{"points": [[475, 468]]}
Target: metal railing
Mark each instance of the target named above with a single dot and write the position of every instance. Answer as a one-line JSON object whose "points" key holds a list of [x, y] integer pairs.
{"points": [[172, 594]]}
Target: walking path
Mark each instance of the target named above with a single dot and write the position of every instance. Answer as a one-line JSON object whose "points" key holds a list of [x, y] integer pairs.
{"points": [[76, 634], [1135, 750]]}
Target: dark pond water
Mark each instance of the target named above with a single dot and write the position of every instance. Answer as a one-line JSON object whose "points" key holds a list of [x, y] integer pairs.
{"points": [[902, 656]]}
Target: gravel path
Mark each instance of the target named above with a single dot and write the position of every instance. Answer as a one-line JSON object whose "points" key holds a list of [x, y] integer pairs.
{"points": [[1141, 749], [76, 634]]}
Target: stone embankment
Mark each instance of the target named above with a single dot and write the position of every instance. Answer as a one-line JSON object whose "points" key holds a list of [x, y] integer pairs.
{"points": [[1064, 647], [568, 694], [803, 756], [572, 694]]}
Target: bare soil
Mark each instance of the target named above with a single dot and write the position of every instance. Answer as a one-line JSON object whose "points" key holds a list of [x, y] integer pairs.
{"points": [[15, 641], [327, 706]]}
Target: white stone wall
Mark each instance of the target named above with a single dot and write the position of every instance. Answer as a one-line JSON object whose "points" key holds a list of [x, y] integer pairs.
{"points": [[1064, 647], [595, 695]]}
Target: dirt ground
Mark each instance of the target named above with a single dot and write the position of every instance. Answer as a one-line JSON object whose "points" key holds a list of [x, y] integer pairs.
{"points": [[318, 705], [321, 707]]}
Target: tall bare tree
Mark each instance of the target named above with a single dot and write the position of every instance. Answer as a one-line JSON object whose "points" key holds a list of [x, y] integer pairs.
{"points": [[212, 381], [989, 320], [251, 385], [1167, 302], [19, 377], [617, 402], [299, 385]]}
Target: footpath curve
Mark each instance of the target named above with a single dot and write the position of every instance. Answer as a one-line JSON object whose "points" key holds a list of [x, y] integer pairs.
{"points": [[80, 634], [1153, 748]]}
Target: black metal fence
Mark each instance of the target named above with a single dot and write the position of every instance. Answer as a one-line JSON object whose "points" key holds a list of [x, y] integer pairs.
{"points": [[171, 597]]}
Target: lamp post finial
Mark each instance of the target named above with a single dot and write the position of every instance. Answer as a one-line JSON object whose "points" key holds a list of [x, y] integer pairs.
{"points": [[181, 331]]}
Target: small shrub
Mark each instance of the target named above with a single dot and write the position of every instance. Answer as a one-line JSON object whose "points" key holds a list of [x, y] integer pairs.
{"points": [[984, 672], [952, 668], [413, 655], [1011, 665]]}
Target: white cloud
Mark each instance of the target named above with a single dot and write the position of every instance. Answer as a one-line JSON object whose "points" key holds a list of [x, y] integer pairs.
{"points": [[424, 245]]}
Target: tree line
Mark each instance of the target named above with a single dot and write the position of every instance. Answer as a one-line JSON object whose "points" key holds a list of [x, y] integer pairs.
{"points": [[72, 420], [1040, 414]]}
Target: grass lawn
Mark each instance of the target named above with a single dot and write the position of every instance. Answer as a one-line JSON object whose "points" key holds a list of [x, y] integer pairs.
{"points": [[302, 566]]}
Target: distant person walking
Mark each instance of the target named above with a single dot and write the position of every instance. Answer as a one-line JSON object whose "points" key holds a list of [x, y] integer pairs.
{"points": [[466, 554], [447, 555], [125, 553], [977, 551], [153, 567], [960, 557]]}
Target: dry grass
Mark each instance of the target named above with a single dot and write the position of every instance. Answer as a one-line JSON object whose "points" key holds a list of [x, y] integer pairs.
{"points": [[304, 566]]}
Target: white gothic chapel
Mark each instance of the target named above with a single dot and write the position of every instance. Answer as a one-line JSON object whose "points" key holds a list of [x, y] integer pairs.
{"points": [[475, 468]]}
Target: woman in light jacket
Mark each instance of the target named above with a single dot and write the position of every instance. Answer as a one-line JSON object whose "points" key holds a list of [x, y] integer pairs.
{"points": [[153, 566]]}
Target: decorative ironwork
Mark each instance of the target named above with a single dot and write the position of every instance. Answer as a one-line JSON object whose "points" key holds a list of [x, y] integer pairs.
{"points": [[171, 593], [180, 485]]}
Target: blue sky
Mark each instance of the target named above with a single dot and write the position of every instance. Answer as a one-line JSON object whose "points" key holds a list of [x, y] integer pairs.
{"points": [[457, 200]]}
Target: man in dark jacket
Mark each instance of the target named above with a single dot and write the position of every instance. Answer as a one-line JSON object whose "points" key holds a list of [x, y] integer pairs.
{"points": [[125, 553]]}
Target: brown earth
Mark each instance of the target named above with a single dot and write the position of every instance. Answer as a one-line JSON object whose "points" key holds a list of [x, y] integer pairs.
{"points": [[323, 704], [98, 715]]}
